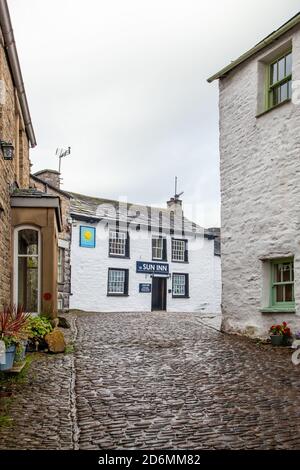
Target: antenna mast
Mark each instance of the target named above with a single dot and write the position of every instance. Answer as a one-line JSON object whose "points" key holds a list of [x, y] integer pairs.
{"points": [[61, 153], [177, 195]]}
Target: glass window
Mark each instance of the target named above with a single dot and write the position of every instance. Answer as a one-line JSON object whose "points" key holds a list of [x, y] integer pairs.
{"points": [[280, 83], [157, 248], [180, 285], [117, 281], [61, 259], [28, 270], [282, 283], [117, 243], [179, 251]]}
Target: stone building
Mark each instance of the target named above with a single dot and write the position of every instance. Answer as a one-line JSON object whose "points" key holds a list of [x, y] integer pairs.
{"points": [[260, 184], [30, 220], [127, 257]]}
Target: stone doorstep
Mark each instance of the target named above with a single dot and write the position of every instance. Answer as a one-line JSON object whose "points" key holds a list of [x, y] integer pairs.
{"points": [[17, 368]]}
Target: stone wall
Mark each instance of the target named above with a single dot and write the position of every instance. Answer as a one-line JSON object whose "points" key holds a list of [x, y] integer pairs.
{"points": [[260, 191], [17, 170]]}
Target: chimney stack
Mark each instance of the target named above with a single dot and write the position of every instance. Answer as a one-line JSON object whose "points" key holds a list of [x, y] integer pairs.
{"points": [[49, 176]]}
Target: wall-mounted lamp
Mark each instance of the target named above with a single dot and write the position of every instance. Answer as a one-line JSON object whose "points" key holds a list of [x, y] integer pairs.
{"points": [[7, 150]]}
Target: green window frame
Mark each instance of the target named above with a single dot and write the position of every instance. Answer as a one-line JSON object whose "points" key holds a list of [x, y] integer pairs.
{"points": [[279, 77], [282, 283]]}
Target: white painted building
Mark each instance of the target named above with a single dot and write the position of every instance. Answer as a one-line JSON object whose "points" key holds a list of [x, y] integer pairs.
{"points": [[129, 258], [259, 108]]}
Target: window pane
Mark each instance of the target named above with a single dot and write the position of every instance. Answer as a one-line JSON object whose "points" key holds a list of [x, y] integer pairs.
{"points": [[28, 242], [117, 243], [275, 96], [178, 250], [281, 69], [178, 284], [277, 273], [28, 283], [157, 248], [288, 64], [283, 92], [279, 293], [286, 272], [273, 73], [116, 281], [289, 293], [290, 89]]}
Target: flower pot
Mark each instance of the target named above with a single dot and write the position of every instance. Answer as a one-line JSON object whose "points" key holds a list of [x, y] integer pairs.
{"points": [[20, 352], [276, 340], [9, 358], [287, 340]]}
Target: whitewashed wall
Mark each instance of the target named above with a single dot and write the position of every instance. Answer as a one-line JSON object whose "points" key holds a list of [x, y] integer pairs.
{"points": [[90, 271], [260, 191]]}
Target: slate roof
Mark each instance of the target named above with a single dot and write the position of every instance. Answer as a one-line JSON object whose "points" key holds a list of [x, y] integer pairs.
{"points": [[31, 192], [94, 209]]}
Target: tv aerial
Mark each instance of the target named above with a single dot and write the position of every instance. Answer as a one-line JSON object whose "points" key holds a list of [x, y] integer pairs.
{"points": [[177, 195], [61, 153]]}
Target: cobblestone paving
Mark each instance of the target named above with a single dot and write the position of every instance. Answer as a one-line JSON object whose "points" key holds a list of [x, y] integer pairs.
{"points": [[165, 381], [155, 381]]}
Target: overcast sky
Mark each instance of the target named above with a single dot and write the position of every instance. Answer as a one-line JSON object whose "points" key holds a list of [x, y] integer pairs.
{"points": [[123, 82]]}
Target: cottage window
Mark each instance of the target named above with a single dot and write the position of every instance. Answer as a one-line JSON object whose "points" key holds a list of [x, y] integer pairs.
{"points": [[282, 290], [117, 281], [60, 272], [280, 80], [118, 243], [159, 248], [179, 250], [180, 285]]}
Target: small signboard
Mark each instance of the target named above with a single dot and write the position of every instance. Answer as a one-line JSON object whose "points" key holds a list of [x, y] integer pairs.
{"points": [[152, 268], [145, 288]]}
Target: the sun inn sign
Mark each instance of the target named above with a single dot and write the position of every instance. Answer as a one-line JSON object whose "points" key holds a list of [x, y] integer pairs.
{"points": [[152, 268]]}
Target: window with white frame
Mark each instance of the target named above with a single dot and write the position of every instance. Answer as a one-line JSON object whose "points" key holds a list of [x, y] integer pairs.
{"points": [[179, 250], [159, 248], [118, 243], [117, 281], [60, 270], [180, 286]]}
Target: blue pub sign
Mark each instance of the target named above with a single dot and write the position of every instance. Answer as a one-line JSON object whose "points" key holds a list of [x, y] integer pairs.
{"points": [[145, 288], [152, 268]]}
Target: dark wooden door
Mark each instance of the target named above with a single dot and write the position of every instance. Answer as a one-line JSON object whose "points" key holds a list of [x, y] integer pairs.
{"points": [[159, 293]]}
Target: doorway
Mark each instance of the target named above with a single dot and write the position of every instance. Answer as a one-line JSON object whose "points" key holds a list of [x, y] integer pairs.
{"points": [[27, 269], [159, 293]]}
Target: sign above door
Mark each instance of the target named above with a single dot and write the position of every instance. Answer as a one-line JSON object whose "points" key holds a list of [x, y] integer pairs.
{"points": [[152, 268]]}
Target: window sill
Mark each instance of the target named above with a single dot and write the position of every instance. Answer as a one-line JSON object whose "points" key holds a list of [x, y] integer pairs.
{"points": [[180, 262], [117, 295], [119, 256], [273, 107], [278, 310], [180, 297]]}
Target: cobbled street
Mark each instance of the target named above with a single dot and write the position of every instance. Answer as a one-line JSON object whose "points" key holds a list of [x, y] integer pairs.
{"points": [[157, 381]]}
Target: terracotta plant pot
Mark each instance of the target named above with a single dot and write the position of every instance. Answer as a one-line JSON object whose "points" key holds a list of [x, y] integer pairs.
{"points": [[276, 340]]}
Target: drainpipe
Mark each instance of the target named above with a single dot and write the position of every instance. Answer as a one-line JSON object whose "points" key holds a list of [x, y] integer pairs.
{"points": [[10, 46]]}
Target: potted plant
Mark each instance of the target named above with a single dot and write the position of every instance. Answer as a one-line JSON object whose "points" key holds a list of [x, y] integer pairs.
{"points": [[38, 328], [13, 324], [280, 334]]}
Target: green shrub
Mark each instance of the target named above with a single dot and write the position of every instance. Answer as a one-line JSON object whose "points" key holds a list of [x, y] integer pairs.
{"points": [[38, 327]]}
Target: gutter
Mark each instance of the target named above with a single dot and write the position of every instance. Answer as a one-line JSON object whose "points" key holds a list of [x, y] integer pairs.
{"points": [[261, 45], [10, 46]]}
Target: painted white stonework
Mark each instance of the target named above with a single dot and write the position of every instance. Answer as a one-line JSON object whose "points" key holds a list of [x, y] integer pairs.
{"points": [[260, 186], [90, 272]]}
